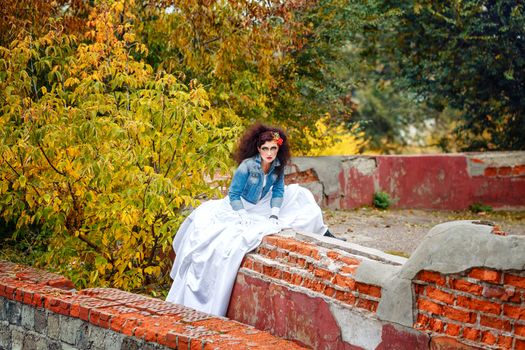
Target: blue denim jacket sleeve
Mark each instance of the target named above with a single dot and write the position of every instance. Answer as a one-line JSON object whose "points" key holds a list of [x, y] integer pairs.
{"points": [[237, 185], [277, 192]]}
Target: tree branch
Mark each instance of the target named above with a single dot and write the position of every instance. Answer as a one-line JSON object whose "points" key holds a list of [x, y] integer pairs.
{"points": [[49, 162]]}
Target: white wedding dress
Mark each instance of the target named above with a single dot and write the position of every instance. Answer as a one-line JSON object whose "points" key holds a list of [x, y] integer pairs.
{"points": [[212, 241]]}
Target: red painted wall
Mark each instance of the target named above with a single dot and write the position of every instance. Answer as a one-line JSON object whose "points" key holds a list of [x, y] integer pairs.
{"points": [[440, 181]]}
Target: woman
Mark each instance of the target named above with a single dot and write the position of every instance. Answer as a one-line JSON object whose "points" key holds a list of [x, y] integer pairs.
{"points": [[212, 241]]}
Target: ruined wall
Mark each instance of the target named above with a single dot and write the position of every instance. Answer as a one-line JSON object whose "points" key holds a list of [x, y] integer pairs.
{"points": [[440, 181], [463, 288], [40, 310]]}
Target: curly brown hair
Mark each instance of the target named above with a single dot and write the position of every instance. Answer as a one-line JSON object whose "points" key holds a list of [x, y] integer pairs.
{"points": [[254, 137]]}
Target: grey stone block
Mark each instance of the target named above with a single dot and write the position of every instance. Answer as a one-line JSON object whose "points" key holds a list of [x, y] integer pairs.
{"points": [[14, 313], [28, 317], [30, 340], [42, 342], [83, 340], [53, 345], [3, 315], [68, 347], [69, 327], [5, 335], [97, 335], [40, 325], [113, 341], [130, 343], [153, 346], [53, 326], [17, 338]]}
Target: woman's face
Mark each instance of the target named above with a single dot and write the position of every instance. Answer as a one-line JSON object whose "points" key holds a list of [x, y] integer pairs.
{"points": [[268, 151]]}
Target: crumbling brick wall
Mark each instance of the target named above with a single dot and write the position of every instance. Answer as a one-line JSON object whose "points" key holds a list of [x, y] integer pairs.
{"points": [[481, 307], [463, 288], [40, 310]]}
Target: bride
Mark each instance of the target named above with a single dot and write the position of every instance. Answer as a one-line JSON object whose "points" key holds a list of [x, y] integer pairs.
{"points": [[212, 241]]}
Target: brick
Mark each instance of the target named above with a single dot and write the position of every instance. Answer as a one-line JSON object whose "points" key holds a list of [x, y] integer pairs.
{"points": [[452, 329], [466, 286], [479, 305], [323, 274], [429, 306], [488, 337], [292, 259], [318, 286], [301, 262], [436, 325], [272, 271], [349, 269], [458, 315], [347, 260], [514, 280], [329, 291], [519, 344], [518, 170], [516, 312], [504, 171], [422, 321], [369, 305], [297, 279], [272, 254], [519, 330], [287, 276], [257, 267], [247, 263], [345, 282], [490, 171], [504, 342], [486, 275], [496, 323], [368, 289], [28, 298], [501, 293], [440, 295], [419, 289], [471, 334], [345, 297], [308, 283], [432, 277], [306, 250]]}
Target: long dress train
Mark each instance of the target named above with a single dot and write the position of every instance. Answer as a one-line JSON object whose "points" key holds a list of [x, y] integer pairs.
{"points": [[212, 241]]}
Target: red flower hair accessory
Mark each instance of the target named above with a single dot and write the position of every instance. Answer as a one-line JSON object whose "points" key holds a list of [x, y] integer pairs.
{"points": [[277, 138]]}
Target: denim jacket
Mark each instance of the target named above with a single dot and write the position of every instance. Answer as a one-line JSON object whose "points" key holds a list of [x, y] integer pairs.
{"points": [[247, 183]]}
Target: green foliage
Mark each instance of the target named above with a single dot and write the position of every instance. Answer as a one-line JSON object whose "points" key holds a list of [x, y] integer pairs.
{"points": [[480, 207], [282, 62], [381, 200], [465, 55], [101, 156]]}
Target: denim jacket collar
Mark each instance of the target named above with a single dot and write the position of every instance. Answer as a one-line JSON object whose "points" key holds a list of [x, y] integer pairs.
{"points": [[275, 162]]}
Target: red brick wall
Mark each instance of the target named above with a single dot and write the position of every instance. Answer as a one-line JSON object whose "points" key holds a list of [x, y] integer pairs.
{"points": [[137, 316], [479, 307], [315, 268]]}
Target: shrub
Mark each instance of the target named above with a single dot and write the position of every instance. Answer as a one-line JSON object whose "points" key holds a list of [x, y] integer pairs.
{"points": [[381, 200], [479, 207]]}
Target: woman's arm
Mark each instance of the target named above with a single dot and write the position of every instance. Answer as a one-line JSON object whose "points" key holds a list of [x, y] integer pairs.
{"points": [[237, 186]]}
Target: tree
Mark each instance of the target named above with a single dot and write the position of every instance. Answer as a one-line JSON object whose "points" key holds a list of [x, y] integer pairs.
{"points": [[282, 62], [101, 153], [466, 55]]}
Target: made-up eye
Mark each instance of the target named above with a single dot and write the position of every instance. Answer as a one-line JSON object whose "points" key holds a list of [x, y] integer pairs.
{"points": [[266, 149]]}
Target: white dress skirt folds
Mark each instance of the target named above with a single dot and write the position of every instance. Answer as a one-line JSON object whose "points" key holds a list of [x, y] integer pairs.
{"points": [[212, 241]]}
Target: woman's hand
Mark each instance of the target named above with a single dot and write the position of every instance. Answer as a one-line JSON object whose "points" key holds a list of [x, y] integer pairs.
{"points": [[243, 216]]}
